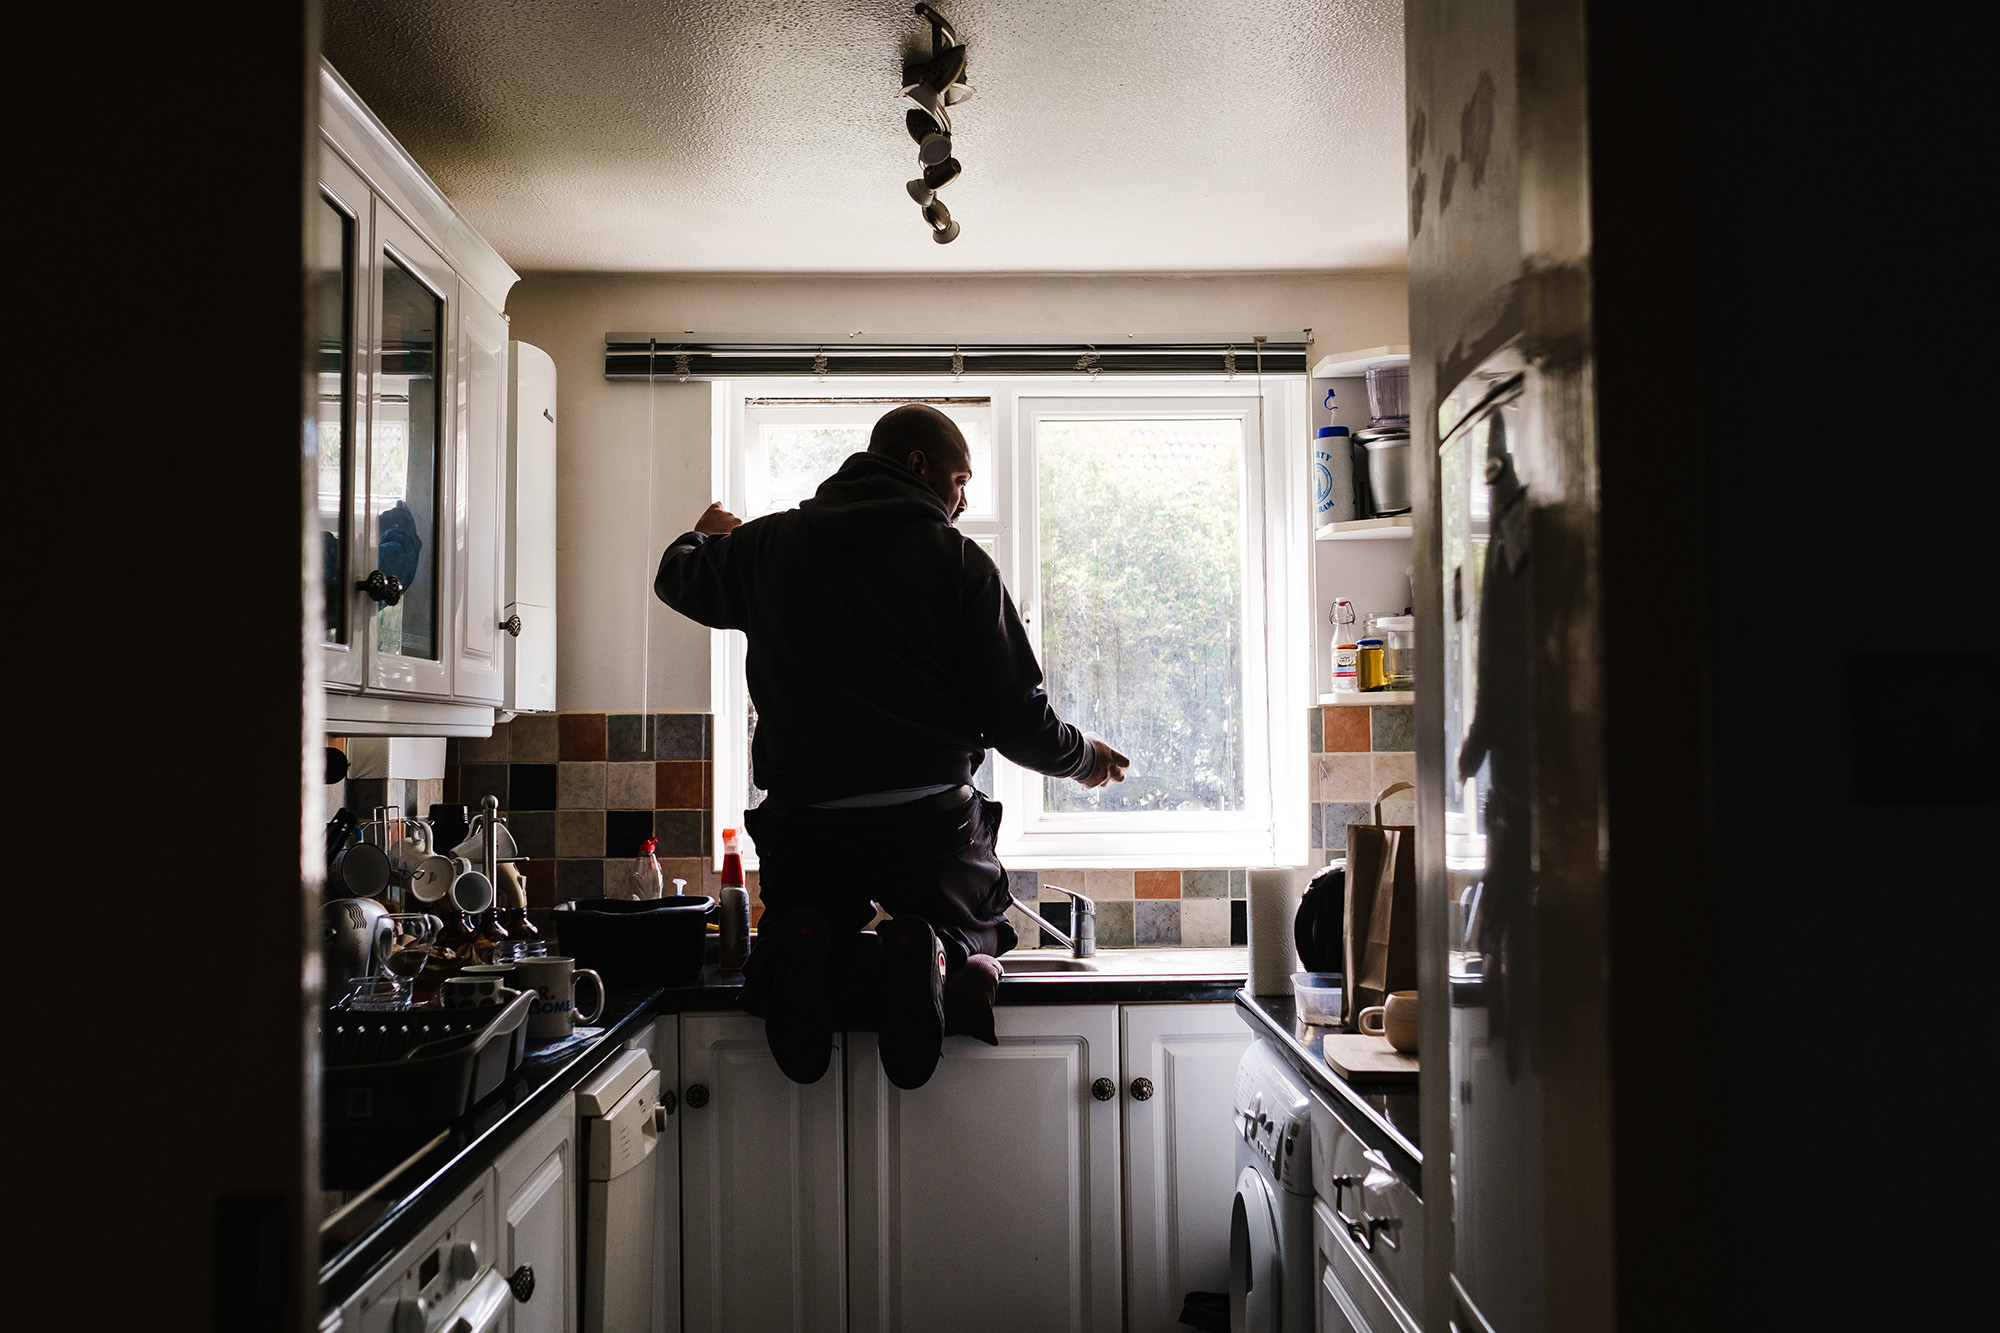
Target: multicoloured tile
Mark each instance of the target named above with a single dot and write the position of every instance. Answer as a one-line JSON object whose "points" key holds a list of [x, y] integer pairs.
{"points": [[1156, 923]]}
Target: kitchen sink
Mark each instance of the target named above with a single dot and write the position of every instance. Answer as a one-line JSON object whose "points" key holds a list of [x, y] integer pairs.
{"points": [[1025, 964]]}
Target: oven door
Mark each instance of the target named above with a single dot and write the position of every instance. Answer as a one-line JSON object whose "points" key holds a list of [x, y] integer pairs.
{"points": [[484, 1309]]}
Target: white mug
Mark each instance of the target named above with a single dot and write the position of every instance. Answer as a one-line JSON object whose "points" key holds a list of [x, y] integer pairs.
{"points": [[552, 1014]]}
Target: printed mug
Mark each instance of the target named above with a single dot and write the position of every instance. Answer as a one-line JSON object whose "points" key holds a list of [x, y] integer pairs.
{"points": [[552, 1014]]}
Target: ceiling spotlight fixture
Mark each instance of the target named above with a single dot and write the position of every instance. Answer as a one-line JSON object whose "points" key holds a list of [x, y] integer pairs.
{"points": [[943, 230], [933, 140], [934, 84], [935, 178]]}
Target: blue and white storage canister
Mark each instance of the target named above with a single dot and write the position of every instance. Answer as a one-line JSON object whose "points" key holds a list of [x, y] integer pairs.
{"points": [[1333, 477]]}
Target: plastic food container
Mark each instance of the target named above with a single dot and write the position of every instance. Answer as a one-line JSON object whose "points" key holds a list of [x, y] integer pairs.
{"points": [[1389, 394], [1317, 995], [655, 942]]}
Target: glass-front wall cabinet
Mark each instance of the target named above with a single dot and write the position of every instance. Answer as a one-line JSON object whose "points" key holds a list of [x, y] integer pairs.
{"points": [[342, 241], [385, 359]]}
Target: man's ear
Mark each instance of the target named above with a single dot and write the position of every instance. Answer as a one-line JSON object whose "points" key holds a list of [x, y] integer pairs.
{"points": [[916, 460]]}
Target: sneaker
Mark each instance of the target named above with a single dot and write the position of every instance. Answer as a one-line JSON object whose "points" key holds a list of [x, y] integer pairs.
{"points": [[912, 1000], [968, 999], [797, 1024]]}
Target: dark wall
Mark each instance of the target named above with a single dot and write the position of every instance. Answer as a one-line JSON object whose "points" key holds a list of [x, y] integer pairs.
{"points": [[160, 1116], [1852, 856], [1796, 829]]}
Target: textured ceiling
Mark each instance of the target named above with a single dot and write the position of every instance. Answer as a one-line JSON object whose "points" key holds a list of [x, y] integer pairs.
{"points": [[1116, 136]]}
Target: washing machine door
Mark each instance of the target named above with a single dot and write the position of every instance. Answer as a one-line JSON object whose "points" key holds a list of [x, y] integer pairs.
{"points": [[1254, 1257]]}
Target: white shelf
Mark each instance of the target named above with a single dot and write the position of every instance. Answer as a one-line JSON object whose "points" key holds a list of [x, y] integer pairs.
{"points": [[1371, 699], [1338, 364], [1364, 529]]}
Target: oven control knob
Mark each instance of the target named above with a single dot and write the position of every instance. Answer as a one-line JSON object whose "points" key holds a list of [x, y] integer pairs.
{"points": [[464, 1262], [408, 1316]]}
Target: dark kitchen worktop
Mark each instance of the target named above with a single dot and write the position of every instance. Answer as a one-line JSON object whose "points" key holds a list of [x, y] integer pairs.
{"points": [[402, 1176], [415, 1170], [1383, 1116]]}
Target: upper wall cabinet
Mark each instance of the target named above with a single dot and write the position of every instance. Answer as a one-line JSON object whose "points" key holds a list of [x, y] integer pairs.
{"points": [[414, 400]]}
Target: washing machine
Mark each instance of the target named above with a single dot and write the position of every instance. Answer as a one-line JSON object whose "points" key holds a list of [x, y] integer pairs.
{"points": [[1271, 1222]]}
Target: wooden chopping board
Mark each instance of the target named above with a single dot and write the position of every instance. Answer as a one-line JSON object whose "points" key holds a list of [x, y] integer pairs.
{"points": [[1370, 1059]]}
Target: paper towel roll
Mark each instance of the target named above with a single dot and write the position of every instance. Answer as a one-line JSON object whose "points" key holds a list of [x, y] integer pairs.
{"points": [[1274, 902]]}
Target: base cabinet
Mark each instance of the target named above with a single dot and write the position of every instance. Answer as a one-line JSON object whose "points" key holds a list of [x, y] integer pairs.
{"points": [[536, 1184], [1180, 1158], [762, 1185], [1078, 1176], [988, 1199]]}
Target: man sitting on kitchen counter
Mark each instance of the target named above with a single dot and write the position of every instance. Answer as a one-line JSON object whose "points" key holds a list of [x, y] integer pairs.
{"points": [[884, 657]]}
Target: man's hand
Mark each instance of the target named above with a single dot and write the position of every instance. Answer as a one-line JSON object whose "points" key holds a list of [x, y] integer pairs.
{"points": [[715, 520], [1106, 765]]}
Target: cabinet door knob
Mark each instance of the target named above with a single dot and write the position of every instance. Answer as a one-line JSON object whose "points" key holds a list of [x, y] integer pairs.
{"points": [[1142, 1090], [512, 624], [668, 1101], [696, 1096], [522, 1283], [386, 589], [1104, 1090]]}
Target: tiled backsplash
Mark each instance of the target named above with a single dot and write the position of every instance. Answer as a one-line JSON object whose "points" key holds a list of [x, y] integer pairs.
{"points": [[1356, 753], [581, 791]]}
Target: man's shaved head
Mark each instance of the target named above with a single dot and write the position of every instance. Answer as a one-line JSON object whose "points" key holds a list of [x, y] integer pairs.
{"points": [[930, 444], [919, 428]]}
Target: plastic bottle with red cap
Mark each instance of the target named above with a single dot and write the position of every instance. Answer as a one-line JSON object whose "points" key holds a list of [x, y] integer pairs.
{"points": [[647, 881], [735, 907]]}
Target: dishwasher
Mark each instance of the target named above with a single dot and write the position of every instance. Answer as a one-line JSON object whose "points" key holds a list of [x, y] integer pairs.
{"points": [[621, 1119]]}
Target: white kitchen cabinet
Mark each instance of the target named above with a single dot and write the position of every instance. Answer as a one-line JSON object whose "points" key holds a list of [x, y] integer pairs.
{"points": [[1180, 1159], [531, 537], [408, 514], [536, 1185], [989, 1198], [479, 556], [343, 239], [762, 1185], [414, 397]]}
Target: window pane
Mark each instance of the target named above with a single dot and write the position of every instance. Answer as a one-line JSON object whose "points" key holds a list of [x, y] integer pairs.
{"points": [[1141, 531], [799, 458], [974, 424]]}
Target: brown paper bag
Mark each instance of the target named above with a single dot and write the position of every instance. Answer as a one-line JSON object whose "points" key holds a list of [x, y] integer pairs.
{"points": [[1379, 945]]}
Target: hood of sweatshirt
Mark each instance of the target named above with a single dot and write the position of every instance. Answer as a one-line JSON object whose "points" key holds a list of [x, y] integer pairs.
{"points": [[868, 498]]}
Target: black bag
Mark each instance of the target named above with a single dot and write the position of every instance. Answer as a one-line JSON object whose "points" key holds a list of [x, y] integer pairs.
{"points": [[1319, 929]]}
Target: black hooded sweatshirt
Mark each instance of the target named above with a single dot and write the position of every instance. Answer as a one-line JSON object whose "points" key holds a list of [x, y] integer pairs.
{"points": [[884, 652]]}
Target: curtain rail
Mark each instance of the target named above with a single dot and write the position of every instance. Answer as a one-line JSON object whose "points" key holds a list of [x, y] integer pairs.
{"points": [[629, 356]]}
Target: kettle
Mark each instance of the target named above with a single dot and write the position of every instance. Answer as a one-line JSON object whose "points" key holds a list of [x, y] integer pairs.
{"points": [[354, 936]]}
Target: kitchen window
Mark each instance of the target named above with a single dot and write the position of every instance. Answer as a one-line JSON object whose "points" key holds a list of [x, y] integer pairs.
{"points": [[1143, 530]]}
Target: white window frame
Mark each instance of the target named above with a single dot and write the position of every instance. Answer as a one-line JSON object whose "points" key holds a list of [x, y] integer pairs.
{"points": [[1274, 829]]}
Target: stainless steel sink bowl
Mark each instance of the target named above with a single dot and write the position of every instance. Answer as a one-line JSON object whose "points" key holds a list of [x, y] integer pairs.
{"points": [[1016, 965]]}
